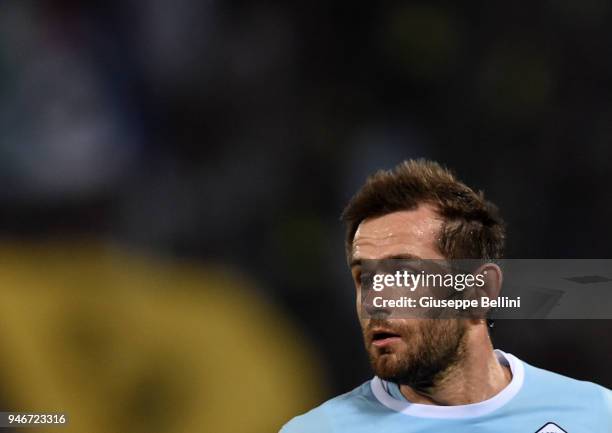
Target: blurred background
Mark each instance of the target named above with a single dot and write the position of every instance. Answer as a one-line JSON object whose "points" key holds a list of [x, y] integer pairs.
{"points": [[172, 175]]}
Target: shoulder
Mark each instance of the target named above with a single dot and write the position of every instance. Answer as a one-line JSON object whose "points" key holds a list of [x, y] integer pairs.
{"points": [[359, 401], [558, 382], [566, 391]]}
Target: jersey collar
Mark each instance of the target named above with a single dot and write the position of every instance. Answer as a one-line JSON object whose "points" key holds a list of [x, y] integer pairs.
{"points": [[380, 390]]}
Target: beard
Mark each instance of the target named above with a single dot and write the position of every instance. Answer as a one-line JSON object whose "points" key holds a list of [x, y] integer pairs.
{"points": [[431, 347]]}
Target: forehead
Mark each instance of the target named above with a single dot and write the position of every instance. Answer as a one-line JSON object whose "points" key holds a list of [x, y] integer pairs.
{"points": [[403, 233]]}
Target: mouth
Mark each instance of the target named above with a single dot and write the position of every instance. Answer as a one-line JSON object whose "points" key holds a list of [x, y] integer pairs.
{"points": [[384, 337]]}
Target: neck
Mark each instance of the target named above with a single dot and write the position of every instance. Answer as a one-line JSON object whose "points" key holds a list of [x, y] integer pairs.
{"points": [[478, 376]]}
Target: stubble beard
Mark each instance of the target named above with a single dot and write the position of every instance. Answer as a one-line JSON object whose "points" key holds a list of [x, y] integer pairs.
{"points": [[432, 349]]}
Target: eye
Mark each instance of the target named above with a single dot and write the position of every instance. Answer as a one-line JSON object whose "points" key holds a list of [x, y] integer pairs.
{"points": [[364, 276]]}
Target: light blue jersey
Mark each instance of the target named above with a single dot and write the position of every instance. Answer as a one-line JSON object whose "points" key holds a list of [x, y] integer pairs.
{"points": [[535, 401]]}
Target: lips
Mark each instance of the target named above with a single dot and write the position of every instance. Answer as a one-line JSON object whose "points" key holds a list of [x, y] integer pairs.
{"points": [[383, 337]]}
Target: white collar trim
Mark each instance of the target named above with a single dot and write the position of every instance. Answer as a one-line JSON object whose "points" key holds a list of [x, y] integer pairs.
{"points": [[379, 387]]}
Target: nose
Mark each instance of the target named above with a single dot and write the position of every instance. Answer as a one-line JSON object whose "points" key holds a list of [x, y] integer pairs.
{"points": [[370, 310]]}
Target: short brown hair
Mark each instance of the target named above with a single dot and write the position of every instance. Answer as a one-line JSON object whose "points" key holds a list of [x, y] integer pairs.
{"points": [[472, 227]]}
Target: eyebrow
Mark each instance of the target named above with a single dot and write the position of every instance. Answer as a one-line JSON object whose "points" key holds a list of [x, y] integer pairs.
{"points": [[406, 256]]}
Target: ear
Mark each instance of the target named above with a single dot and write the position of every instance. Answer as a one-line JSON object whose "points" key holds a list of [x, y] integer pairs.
{"points": [[493, 279]]}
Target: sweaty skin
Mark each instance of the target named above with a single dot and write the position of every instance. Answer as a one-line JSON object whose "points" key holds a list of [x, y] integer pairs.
{"points": [[478, 376]]}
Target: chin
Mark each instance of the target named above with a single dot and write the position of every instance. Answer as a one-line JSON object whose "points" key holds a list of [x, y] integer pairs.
{"points": [[386, 365]]}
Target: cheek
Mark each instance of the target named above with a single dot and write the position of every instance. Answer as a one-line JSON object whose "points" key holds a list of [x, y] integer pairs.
{"points": [[363, 322], [358, 304], [409, 328]]}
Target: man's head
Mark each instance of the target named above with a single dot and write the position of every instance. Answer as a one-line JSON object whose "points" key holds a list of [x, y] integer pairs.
{"points": [[418, 210]]}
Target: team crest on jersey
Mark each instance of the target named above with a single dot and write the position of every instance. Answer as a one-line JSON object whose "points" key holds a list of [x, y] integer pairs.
{"points": [[550, 427]]}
